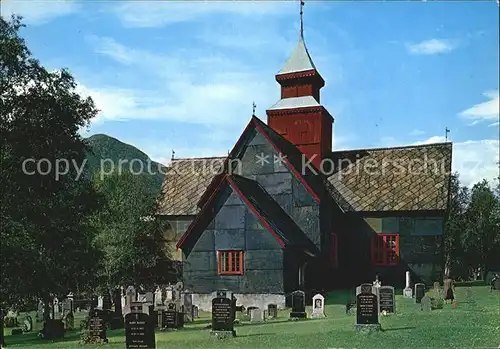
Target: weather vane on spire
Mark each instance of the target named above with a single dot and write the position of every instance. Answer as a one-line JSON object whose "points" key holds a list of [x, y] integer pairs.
{"points": [[301, 18], [253, 108]]}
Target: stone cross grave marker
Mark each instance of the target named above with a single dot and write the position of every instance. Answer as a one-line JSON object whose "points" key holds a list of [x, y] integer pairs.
{"points": [[158, 296], [425, 304], [139, 331], [367, 308], [130, 297], [419, 292], [298, 305], [222, 316], [318, 306], [387, 300]]}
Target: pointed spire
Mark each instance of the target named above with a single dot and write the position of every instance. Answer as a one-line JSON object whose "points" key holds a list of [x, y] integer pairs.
{"points": [[299, 60]]}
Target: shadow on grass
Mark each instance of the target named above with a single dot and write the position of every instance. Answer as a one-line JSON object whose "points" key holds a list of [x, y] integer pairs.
{"points": [[256, 335], [398, 328], [33, 339]]}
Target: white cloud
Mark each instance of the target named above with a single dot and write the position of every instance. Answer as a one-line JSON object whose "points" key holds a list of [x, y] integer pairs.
{"points": [[495, 124], [473, 160], [432, 46], [158, 14], [416, 132], [485, 111], [38, 12]]}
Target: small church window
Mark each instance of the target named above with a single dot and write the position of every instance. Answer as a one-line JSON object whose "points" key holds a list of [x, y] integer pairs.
{"points": [[385, 250], [230, 262]]}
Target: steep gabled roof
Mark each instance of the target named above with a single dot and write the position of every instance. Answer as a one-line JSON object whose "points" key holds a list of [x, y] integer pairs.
{"points": [[412, 178], [299, 60], [266, 210], [185, 182]]}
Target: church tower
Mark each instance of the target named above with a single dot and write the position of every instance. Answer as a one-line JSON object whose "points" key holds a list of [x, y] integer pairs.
{"points": [[298, 116]]}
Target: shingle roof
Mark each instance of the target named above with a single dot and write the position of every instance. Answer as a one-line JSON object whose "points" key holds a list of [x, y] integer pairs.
{"points": [[185, 182], [299, 60], [392, 179]]}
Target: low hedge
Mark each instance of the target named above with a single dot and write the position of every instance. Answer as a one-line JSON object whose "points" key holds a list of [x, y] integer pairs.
{"points": [[470, 283]]}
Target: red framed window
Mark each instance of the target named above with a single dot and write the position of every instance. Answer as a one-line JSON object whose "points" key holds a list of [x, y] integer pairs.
{"points": [[230, 262], [385, 250], [334, 257]]}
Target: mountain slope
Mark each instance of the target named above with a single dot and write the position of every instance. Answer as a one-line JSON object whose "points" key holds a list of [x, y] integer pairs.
{"points": [[107, 154]]}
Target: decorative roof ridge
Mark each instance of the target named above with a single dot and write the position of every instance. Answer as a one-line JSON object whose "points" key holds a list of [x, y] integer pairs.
{"points": [[392, 148]]}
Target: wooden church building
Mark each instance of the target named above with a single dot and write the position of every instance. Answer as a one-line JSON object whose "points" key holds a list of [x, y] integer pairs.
{"points": [[285, 211]]}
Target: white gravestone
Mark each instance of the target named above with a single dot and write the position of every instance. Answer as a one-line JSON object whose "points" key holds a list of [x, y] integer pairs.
{"points": [[256, 315], [130, 296], [408, 292], [318, 306], [100, 302], [158, 297]]}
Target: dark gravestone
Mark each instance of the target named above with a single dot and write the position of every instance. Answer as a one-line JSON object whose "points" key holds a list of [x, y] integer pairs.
{"points": [[117, 300], [367, 309], [387, 301], [196, 311], [52, 329], [272, 311], [172, 318], [419, 292], [223, 317], [97, 327], [298, 305], [496, 284], [106, 302], [139, 332]]}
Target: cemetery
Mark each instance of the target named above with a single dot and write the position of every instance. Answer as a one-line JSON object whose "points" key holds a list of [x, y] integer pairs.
{"points": [[287, 241], [472, 322]]}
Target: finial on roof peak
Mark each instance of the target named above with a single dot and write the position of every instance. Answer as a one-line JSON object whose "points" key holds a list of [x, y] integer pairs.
{"points": [[302, 19], [253, 108]]}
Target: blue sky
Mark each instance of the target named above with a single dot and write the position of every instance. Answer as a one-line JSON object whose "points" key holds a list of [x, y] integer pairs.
{"points": [[183, 75]]}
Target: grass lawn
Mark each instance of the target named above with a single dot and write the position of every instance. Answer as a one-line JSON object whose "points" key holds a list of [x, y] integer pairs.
{"points": [[473, 323]]}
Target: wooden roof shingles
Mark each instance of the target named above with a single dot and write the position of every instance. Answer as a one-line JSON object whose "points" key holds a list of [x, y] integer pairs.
{"points": [[414, 178], [185, 182]]}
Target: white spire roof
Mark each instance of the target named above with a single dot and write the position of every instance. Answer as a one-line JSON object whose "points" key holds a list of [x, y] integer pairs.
{"points": [[300, 60]]}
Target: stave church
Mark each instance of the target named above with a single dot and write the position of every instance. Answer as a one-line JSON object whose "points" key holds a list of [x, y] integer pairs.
{"points": [[284, 211]]}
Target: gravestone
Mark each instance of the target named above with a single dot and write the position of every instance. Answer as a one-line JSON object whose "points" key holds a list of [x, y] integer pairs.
{"points": [[272, 311], [196, 311], [222, 316], [149, 297], [298, 305], [496, 284], [172, 318], [27, 323], [425, 304], [130, 297], [159, 316], [367, 309], [100, 301], [52, 329], [408, 292], [139, 332], [257, 315], [318, 306], [40, 311], [158, 297], [106, 301], [387, 300], [69, 321], [437, 289], [188, 307], [97, 327], [419, 292]]}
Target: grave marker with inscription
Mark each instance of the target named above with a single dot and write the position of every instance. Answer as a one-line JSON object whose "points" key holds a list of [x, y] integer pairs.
{"points": [[139, 331], [298, 305], [222, 316], [387, 300], [367, 308], [97, 327]]}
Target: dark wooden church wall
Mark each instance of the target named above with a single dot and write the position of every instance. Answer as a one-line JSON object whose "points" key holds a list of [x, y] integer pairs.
{"points": [[235, 228], [283, 186], [420, 246]]}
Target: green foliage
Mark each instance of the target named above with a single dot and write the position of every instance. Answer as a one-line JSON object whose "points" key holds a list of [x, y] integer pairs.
{"points": [[437, 303], [44, 218], [129, 234], [472, 239]]}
